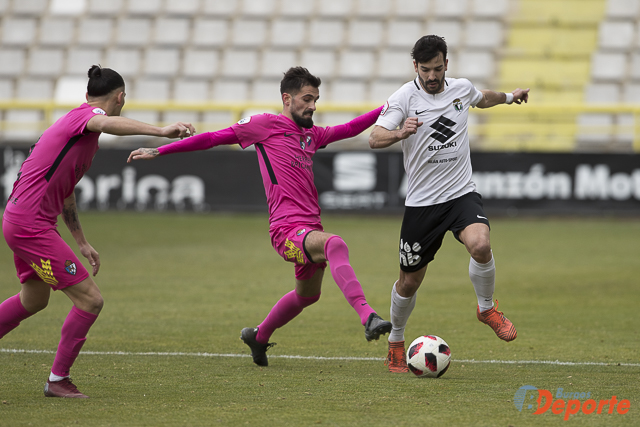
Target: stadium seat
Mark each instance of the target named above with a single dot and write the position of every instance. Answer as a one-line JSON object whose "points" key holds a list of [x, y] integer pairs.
{"points": [[94, 31], [321, 63], [38, 88], [210, 32], [171, 31], [275, 62], [146, 116], [239, 63], [187, 8], [380, 9], [450, 30], [566, 12], [476, 65], [552, 73], [200, 63], [602, 93], [21, 125], [593, 131], [151, 89], [56, 31], [70, 89], [220, 9], [125, 61], [335, 8], [287, 32], [451, 9], [631, 93], [148, 8], [616, 35], [553, 40], [634, 69], [29, 7], [18, 31], [623, 9], [248, 32], [483, 34], [332, 33], [381, 90], [101, 7], [230, 90], [607, 66], [356, 64], [395, 64], [133, 31], [266, 90], [296, 8], [366, 34], [12, 62], [161, 62], [6, 89], [258, 8], [403, 33], [191, 90], [45, 62], [412, 9], [80, 59], [496, 9], [347, 91]]}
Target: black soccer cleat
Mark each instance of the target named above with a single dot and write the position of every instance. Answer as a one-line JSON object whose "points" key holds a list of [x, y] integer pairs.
{"points": [[258, 350], [376, 326]]}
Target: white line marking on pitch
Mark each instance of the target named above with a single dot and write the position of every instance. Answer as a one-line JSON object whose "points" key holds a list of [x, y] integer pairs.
{"points": [[153, 353]]}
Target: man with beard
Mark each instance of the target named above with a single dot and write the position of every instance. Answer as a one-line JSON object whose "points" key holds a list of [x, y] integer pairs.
{"points": [[285, 145], [429, 116]]}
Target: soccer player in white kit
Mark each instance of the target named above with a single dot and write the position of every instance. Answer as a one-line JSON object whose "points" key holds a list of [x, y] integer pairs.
{"points": [[429, 117]]}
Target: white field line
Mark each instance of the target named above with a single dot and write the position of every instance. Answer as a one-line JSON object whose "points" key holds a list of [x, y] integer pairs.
{"points": [[345, 358]]}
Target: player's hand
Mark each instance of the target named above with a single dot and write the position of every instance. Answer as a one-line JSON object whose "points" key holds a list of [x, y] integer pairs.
{"points": [[178, 130], [410, 127], [520, 96], [143, 154], [92, 255]]}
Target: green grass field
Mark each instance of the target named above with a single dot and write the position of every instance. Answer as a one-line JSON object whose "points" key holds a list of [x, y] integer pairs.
{"points": [[189, 283]]}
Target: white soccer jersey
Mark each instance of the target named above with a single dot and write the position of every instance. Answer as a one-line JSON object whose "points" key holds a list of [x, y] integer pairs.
{"points": [[437, 158]]}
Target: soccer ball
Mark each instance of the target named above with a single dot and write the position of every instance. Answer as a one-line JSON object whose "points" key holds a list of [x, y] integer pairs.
{"points": [[429, 356]]}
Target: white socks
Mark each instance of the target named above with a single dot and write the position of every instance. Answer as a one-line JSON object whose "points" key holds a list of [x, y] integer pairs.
{"points": [[53, 377], [483, 277], [401, 309]]}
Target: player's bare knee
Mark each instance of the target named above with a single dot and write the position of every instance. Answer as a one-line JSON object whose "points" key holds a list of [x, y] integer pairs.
{"points": [[35, 305], [481, 251]]}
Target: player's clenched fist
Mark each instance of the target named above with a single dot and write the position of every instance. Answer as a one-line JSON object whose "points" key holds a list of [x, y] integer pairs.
{"points": [[410, 127]]}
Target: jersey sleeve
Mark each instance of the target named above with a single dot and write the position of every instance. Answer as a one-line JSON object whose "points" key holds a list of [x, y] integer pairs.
{"points": [[253, 129], [475, 95], [348, 130], [202, 141], [395, 111], [78, 119]]}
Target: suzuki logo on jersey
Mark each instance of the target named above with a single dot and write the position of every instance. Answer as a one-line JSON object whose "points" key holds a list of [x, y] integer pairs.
{"points": [[457, 104], [442, 132]]}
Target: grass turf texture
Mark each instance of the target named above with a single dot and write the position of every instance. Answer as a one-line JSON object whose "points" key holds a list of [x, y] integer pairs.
{"points": [[190, 283]]}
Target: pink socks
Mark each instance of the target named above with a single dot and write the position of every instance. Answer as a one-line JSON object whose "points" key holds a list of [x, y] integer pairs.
{"points": [[12, 312], [74, 334], [337, 254], [286, 309]]}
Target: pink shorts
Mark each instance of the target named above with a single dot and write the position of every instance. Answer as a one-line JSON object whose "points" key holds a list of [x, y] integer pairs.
{"points": [[43, 255], [289, 243]]}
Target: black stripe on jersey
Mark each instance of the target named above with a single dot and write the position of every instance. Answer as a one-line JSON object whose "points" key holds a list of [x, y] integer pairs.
{"points": [[267, 163], [417, 87], [63, 153]]}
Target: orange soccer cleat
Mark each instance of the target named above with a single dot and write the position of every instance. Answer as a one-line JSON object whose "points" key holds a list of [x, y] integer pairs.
{"points": [[397, 358], [502, 326]]}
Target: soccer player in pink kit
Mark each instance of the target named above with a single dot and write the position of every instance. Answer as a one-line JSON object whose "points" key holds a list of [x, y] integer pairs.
{"points": [[285, 145], [43, 190]]}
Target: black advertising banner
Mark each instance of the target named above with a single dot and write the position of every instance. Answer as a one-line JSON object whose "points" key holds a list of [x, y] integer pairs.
{"points": [[353, 181]]}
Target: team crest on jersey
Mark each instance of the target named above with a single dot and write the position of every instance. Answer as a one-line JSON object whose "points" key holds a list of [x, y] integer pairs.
{"points": [[457, 104], [70, 267], [304, 142], [244, 121], [385, 107], [99, 111]]}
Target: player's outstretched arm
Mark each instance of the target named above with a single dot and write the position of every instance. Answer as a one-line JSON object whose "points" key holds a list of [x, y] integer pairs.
{"points": [[492, 98], [143, 154], [381, 137], [70, 217], [123, 126]]}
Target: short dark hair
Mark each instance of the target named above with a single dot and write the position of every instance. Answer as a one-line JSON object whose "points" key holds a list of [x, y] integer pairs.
{"points": [[296, 78], [428, 47], [102, 81]]}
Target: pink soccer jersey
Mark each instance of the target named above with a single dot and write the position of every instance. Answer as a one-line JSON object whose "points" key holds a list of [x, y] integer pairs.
{"points": [[55, 164]]}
